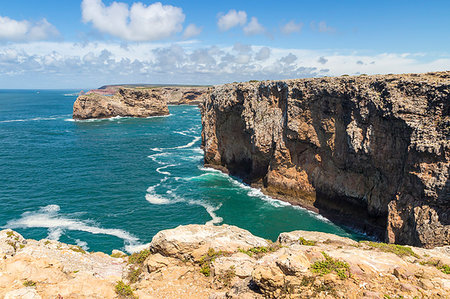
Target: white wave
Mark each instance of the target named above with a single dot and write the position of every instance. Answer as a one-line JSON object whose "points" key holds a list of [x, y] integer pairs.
{"points": [[158, 149], [55, 233], [31, 119], [71, 94], [112, 118], [82, 244], [49, 217], [210, 210], [156, 199], [136, 248], [199, 150], [159, 169], [155, 157]]}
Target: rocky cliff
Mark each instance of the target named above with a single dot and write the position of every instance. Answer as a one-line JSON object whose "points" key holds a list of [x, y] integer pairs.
{"points": [[201, 261], [370, 150], [113, 101]]}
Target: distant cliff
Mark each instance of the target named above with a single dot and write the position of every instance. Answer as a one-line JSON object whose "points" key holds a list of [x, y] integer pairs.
{"points": [[372, 151], [111, 101]]}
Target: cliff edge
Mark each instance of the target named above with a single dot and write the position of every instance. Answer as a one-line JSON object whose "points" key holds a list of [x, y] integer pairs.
{"points": [[370, 150], [218, 262]]}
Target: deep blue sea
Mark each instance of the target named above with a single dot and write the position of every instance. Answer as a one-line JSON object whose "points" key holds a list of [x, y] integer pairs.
{"points": [[114, 183]]}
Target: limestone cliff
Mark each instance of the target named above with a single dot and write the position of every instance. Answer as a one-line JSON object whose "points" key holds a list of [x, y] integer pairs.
{"points": [[373, 150], [125, 102], [110, 101], [205, 261]]}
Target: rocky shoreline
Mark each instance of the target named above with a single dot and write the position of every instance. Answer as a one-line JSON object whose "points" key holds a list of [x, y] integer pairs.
{"points": [[371, 151], [205, 261]]}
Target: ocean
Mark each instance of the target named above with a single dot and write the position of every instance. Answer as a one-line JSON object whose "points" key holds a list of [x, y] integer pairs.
{"points": [[114, 183]]}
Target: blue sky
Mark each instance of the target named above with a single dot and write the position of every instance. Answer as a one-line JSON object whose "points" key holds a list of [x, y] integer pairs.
{"points": [[87, 43]]}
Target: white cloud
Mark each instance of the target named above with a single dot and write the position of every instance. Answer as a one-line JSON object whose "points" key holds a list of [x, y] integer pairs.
{"points": [[63, 64], [322, 27], [232, 19], [12, 30], [138, 23], [291, 27], [191, 31], [322, 60], [263, 54], [254, 27]]}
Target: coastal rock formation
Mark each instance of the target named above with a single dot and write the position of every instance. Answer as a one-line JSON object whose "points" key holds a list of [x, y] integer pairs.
{"points": [[125, 102], [370, 150], [179, 263]]}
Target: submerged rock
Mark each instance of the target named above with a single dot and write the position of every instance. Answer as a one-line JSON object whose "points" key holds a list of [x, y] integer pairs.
{"points": [[369, 151]]}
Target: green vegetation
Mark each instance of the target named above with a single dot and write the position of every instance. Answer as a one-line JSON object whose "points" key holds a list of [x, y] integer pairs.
{"points": [[227, 277], [439, 265], [47, 242], [394, 248], [133, 275], [329, 265], [10, 234], [29, 283], [77, 249], [124, 290], [21, 246], [137, 260], [139, 257], [306, 242], [253, 81], [208, 258], [118, 255], [260, 250]]}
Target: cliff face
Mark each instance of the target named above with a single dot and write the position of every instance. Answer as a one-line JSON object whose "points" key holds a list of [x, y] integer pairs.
{"points": [[125, 102], [202, 261], [374, 150]]}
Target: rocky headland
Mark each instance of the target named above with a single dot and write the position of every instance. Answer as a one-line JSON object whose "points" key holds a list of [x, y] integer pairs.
{"points": [[369, 151], [138, 101], [205, 261]]}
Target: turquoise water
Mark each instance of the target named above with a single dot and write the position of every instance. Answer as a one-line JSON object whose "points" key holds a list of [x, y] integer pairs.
{"points": [[115, 183]]}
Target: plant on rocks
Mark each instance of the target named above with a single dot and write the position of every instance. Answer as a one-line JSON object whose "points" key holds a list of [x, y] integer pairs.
{"points": [[305, 242], [329, 265], [29, 283], [399, 250], [208, 258], [124, 290], [139, 257], [261, 250], [136, 260]]}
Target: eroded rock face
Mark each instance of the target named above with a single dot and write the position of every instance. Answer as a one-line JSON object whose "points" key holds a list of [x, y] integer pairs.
{"points": [[135, 102], [125, 102], [299, 265], [373, 149]]}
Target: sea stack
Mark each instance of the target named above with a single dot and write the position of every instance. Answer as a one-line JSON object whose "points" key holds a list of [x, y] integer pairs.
{"points": [[374, 150], [124, 102]]}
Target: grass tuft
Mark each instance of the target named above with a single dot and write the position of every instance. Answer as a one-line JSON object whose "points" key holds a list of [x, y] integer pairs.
{"points": [[124, 290], [329, 265], [399, 250], [29, 283], [139, 257], [306, 242]]}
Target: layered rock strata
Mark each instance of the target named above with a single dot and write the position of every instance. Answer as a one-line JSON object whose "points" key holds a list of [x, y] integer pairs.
{"points": [[198, 261], [125, 102], [112, 101], [373, 150]]}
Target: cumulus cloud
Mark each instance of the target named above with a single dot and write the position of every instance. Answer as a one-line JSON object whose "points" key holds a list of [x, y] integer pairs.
{"points": [[322, 60], [232, 19], [13, 30], [191, 31], [291, 27], [322, 27], [254, 27], [136, 23], [63, 64], [263, 53]]}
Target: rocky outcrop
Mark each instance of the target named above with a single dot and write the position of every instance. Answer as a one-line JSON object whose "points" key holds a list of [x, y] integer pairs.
{"points": [[110, 101], [203, 261], [125, 102], [370, 150]]}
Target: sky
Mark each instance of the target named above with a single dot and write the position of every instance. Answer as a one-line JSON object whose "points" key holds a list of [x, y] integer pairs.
{"points": [[84, 44]]}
